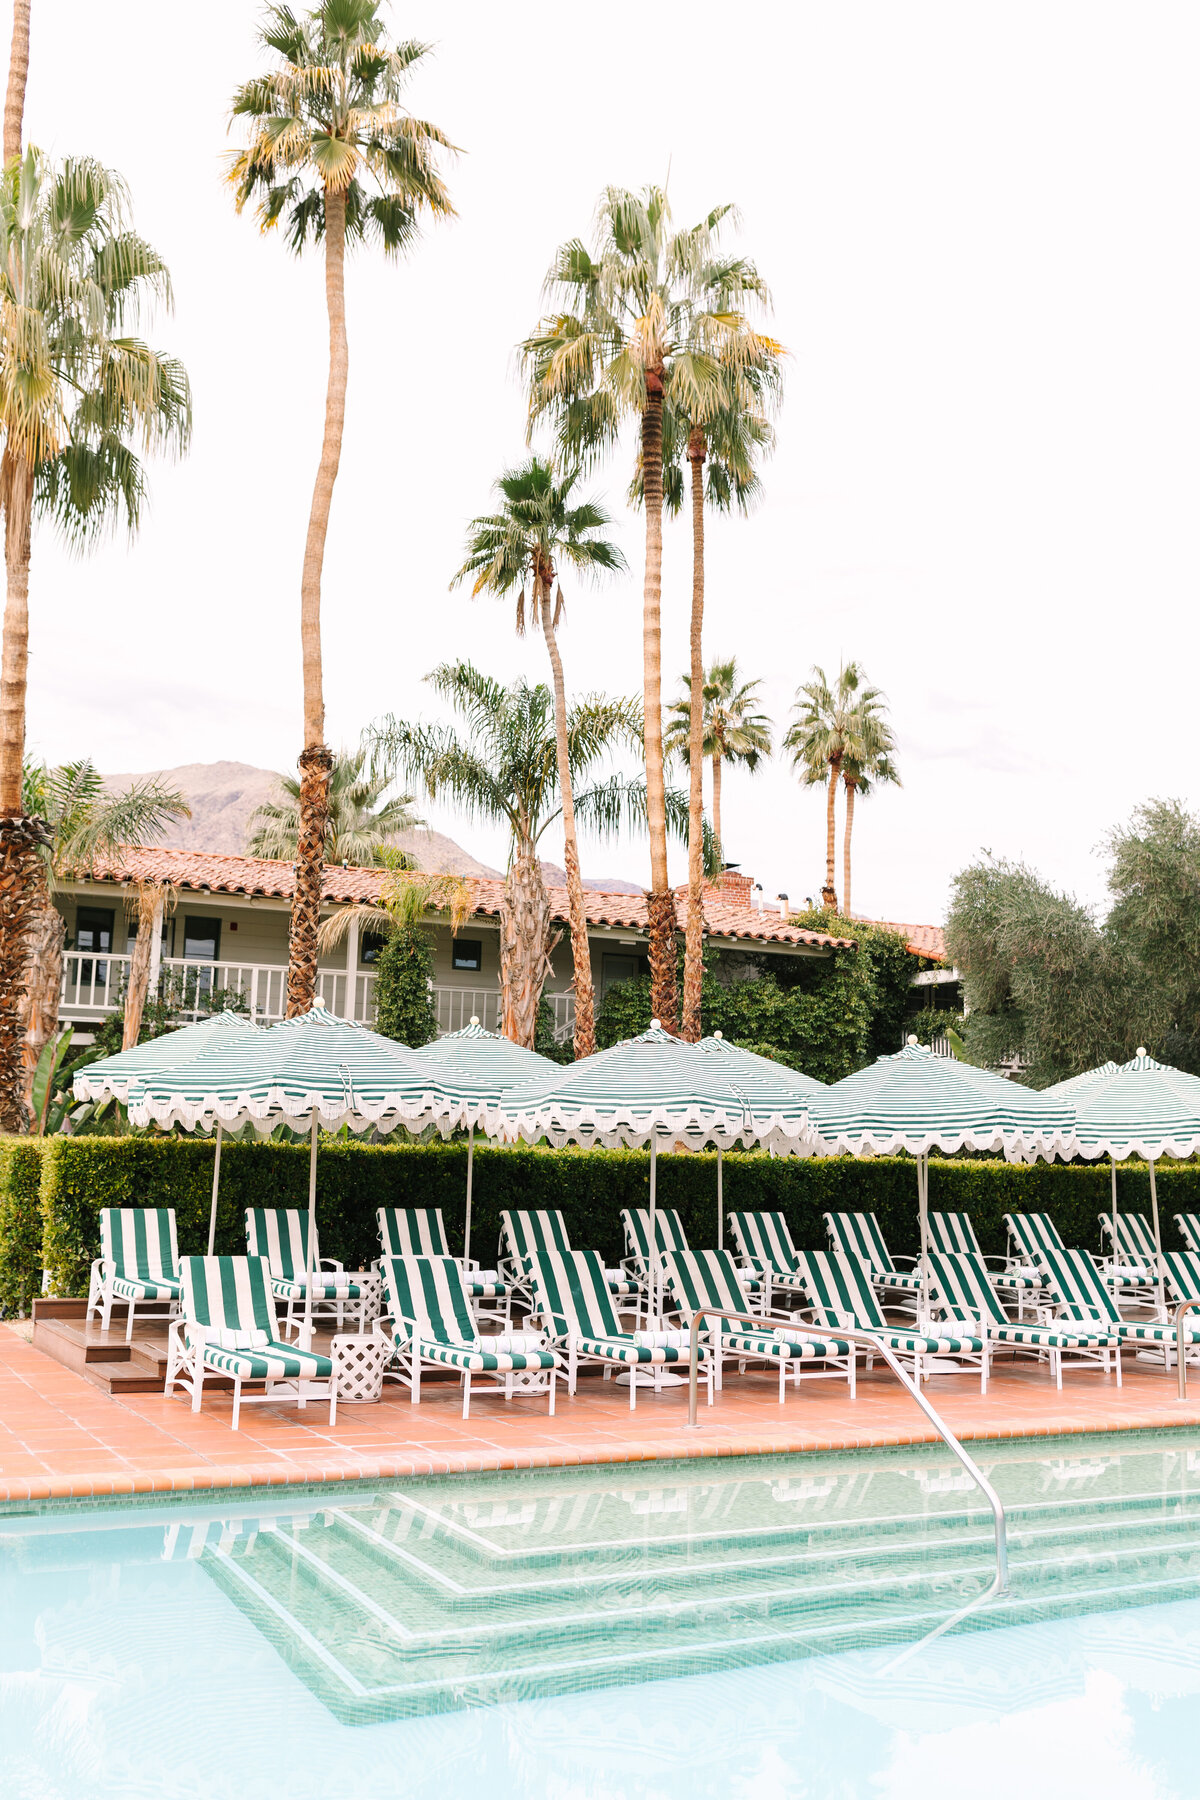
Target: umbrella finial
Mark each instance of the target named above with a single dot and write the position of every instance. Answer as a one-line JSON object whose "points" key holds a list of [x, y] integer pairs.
{"points": [[656, 1024], [718, 1034], [474, 1018], [912, 1037], [1141, 1050]]}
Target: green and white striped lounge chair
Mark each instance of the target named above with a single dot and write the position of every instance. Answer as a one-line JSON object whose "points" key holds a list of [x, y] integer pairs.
{"points": [[671, 1236], [571, 1296], [701, 1278], [1082, 1294], [421, 1231], [139, 1260], [961, 1289], [432, 1327], [953, 1233], [858, 1234], [282, 1237], [841, 1293], [524, 1234], [1030, 1233], [1134, 1252], [1182, 1269], [766, 1248], [227, 1327], [1189, 1229]]}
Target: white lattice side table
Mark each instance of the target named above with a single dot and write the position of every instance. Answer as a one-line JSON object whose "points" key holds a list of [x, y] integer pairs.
{"points": [[359, 1359]]}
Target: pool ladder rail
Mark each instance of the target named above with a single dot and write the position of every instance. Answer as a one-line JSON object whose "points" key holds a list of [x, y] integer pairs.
{"points": [[875, 1343]]}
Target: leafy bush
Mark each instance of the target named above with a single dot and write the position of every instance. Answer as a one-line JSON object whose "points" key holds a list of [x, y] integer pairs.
{"points": [[404, 1006], [20, 1224], [79, 1176]]}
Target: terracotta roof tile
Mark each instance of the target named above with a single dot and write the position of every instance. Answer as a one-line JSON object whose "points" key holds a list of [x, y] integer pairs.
{"points": [[922, 940], [255, 876]]}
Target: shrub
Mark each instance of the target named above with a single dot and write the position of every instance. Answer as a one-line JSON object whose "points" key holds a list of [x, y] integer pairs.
{"points": [[20, 1224], [79, 1176], [404, 1007]]}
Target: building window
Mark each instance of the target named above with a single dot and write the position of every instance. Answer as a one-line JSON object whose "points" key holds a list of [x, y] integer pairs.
{"points": [[369, 947], [466, 953], [202, 939], [93, 931]]}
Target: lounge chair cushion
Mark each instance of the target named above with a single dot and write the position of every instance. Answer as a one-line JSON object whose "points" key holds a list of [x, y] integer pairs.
{"points": [[460, 1356], [128, 1287], [270, 1362], [782, 1348], [625, 1350], [325, 1286]]}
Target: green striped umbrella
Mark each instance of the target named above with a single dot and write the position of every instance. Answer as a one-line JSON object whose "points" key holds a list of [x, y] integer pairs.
{"points": [[658, 1090], [309, 1072], [110, 1076], [918, 1102], [1141, 1108], [484, 1064], [734, 1058]]}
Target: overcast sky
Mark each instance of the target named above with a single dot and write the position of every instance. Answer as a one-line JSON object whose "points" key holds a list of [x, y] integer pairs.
{"points": [[979, 226]]}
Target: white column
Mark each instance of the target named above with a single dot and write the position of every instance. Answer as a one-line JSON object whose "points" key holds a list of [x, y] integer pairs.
{"points": [[156, 931], [351, 968]]}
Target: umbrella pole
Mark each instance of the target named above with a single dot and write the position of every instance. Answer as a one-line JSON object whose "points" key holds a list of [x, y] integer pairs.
{"points": [[470, 1183], [1158, 1255], [1115, 1247], [720, 1202], [923, 1217], [306, 1333], [212, 1216], [654, 1231]]}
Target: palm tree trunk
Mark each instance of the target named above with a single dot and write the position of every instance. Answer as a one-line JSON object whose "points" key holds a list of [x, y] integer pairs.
{"points": [[43, 977], [526, 943], [693, 954], [581, 956], [716, 763], [20, 837], [18, 71], [660, 902], [315, 759], [149, 916], [829, 892], [851, 789]]}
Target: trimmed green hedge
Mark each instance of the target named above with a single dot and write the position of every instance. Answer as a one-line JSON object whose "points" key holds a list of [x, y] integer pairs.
{"points": [[78, 1176], [20, 1223]]}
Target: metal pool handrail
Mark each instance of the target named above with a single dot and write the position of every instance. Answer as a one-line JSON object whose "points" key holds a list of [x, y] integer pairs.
{"points": [[857, 1335], [1184, 1306]]}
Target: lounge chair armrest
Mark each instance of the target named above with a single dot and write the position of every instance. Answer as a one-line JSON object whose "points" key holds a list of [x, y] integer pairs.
{"points": [[899, 1261], [328, 1262]]}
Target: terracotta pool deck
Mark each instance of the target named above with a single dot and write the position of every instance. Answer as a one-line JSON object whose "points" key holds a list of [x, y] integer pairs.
{"points": [[61, 1437]]}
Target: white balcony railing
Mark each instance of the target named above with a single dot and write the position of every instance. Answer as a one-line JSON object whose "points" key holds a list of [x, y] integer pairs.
{"points": [[93, 986]]}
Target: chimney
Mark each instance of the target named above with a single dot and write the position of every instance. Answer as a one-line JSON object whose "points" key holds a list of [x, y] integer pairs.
{"points": [[732, 886], [756, 896], [783, 905]]}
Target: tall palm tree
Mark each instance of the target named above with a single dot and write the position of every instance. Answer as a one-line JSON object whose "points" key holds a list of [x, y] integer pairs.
{"points": [[866, 764], [334, 155], [644, 322], [80, 398], [18, 73], [731, 731], [504, 769], [721, 448], [817, 739], [359, 824], [520, 550], [83, 821]]}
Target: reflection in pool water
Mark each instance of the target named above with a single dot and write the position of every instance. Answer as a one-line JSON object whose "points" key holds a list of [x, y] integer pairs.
{"points": [[164, 1651]]}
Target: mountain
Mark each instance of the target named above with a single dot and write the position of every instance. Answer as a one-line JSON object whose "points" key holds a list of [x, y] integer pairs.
{"points": [[224, 796]]}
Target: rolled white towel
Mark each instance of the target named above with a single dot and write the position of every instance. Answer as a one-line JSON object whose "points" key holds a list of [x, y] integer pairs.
{"points": [[508, 1343], [662, 1340], [226, 1339], [482, 1275]]}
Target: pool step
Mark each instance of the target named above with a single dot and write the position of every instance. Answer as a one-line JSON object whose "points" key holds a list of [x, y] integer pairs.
{"points": [[381, 1626]]}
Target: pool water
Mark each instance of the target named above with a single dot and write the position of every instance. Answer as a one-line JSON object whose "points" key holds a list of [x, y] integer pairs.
{"points": [[769, 1627]]}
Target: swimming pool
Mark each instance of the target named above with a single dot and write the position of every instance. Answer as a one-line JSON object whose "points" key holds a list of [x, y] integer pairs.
{"points": [[719, 1628]]}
